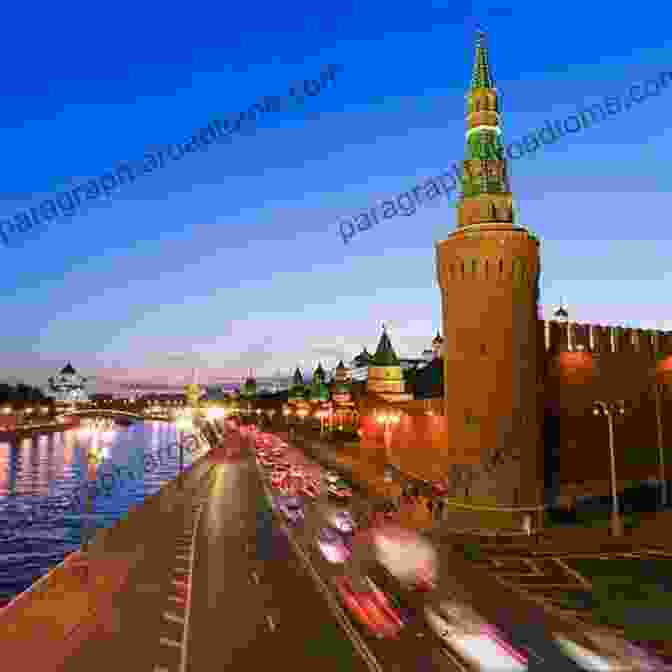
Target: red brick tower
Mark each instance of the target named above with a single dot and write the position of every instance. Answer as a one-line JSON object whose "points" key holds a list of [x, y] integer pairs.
{"points": [[488, 271]]}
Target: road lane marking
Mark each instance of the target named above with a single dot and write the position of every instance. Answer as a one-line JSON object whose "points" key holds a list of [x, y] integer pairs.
{"points": [[357, 641], [170, 642], [271, 623], [453, 660], [533, 654], [187, 609], [169, 616], [580, 578]]}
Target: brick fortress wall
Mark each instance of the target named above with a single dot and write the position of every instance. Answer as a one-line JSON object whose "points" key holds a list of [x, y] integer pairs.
{"points": [[582, 363]]}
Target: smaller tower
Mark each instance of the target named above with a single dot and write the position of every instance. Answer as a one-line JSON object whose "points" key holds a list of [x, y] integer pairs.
{"points": [[249, 388], [437, 345], [385, 377], [342, 374]]}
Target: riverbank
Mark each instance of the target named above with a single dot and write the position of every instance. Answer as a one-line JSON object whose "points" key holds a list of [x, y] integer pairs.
{"points": [[62, 606]]}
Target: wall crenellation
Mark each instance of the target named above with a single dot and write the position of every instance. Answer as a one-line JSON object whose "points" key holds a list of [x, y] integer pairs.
{"points": [[601, 339]]}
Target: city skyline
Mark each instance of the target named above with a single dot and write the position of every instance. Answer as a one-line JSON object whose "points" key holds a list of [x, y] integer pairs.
{"points": [[252, 272]]}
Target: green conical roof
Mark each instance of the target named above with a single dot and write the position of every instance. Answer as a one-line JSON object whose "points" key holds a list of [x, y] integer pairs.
{"points": [[481, 78], [319, 392], [297, 392], [319, 372], [385, 354], [342, 388], [340, 366]]}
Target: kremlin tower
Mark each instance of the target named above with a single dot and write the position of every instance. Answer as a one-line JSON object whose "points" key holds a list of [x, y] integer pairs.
{"points": [[385, 378], [488, 273]]}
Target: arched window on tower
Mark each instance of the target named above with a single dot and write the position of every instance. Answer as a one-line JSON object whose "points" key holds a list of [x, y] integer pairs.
{"points": [[474, 266], [462, 268], [452, 271], [487, 269], [501, 267]]}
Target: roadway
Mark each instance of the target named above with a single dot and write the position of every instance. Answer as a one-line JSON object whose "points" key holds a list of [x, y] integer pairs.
{"points": [[221, 583], [527, 625], [217, 585]]}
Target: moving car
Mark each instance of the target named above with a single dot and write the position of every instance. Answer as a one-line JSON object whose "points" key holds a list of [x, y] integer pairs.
{"points": [[340, 492], [369, 606], [342, 520], [607, 652], [331, 546], [292, 510], [410, 558], [472, 639], [311, 490]]}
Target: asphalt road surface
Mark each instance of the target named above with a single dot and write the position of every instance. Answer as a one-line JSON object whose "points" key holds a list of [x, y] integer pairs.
{"points": [[525, 624]]}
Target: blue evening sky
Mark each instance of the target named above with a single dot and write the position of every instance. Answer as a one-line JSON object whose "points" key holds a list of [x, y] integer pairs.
{"points": [[231, 258]]}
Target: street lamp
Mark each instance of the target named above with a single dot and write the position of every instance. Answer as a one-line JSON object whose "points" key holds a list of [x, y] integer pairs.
{"points": [[183, 423], [658, 392], [609, 410], [321, 415], [387, 420]]}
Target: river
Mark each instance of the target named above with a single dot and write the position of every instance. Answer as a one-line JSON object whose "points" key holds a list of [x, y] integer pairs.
{"points": [[49, 470]]}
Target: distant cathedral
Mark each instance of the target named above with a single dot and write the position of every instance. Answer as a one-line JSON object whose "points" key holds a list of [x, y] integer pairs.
{"points": [[68, 387]]}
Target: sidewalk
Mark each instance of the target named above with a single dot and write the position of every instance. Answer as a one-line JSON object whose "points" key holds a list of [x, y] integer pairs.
{"points": [[60, 609]]}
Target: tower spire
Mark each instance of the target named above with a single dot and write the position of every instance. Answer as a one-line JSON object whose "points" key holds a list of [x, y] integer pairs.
{"points": [[486, 195], [482, 77]]}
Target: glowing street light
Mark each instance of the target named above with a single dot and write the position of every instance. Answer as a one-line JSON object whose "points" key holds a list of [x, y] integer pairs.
{"points": [[184, 423], [609, 410]]}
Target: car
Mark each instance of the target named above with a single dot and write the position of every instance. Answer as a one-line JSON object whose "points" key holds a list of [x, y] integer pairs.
{"points": [[342, 520], [311, 490], [292, 510], [332, 477], [296, 471], [608, 652], [332, 546], [369, 606], [339, 492], [476, 642]]}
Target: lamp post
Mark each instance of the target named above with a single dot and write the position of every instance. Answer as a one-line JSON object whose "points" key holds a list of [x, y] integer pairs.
{"points": [[610, 409], [387, 420], [94, 455], [658, 393], [182, 424]]}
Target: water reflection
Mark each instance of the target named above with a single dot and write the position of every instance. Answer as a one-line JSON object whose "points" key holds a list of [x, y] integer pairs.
{"points": [[41, 516]]}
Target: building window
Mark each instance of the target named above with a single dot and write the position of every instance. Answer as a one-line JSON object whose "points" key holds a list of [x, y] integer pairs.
{"points": [[501, 267], [487, 269], [484, 350], [462, 270], [474, 266]]}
